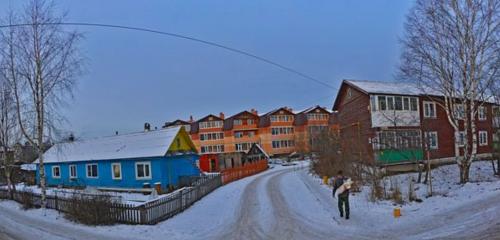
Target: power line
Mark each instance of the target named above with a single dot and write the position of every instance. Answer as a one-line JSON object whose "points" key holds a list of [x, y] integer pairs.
{"points": [[214, 44]]}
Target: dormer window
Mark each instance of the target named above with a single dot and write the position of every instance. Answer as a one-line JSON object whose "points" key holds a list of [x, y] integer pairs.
{"points": [[211, 124], [237, 122]]}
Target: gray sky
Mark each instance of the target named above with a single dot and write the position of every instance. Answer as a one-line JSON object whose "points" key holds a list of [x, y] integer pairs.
{"points": [[135, 77]]}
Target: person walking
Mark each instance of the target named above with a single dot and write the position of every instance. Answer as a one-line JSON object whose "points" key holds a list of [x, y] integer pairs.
{"points": [[341, 186]]}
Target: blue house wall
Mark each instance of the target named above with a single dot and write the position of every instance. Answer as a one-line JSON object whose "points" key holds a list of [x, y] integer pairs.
{"points": [[165, 170]]}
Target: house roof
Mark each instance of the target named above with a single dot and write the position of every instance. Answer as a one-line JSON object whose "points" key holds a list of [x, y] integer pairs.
{"points": [[229, 123], [134, 145], [260, 149], [177, 122], [396, 88], [390, 88]]}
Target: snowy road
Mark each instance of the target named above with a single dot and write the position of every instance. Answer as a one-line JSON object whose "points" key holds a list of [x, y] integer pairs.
{"points": [[282, 203]]}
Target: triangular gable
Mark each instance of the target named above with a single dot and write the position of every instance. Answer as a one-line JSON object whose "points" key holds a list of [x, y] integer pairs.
{"points": [[210, 117], [257, 149], [182, 143], [316, 109], [281, 110]]}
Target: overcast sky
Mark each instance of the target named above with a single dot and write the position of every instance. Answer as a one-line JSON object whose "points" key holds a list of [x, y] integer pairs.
{"points": [[136, 77]]}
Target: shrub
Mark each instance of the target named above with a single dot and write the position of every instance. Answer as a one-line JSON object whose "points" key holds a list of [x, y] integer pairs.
{"points": [[91, 209]]}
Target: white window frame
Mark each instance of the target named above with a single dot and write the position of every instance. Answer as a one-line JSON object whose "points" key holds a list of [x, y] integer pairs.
{"points": [[59, 170], [482, 113], [76, 172], [238, 134], [460, 136], [148, 163], [459, 111], [427, 136], [87, 170], [427, 113], [237, 122], [113, 172], [485, 138]]}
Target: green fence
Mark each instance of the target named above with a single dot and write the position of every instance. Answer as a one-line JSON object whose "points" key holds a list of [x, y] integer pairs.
{"points": [[392, 156]]}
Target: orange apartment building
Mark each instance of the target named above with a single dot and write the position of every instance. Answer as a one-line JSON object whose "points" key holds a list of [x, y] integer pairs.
{"points": [[280, 132]]}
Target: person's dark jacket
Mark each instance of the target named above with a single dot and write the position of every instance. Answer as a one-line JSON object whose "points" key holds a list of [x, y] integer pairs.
{"points": [[337, 183]]}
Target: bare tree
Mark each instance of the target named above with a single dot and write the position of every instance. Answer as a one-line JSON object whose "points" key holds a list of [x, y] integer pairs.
{"points": [[8, 133], [451, 49], [41, 64]]}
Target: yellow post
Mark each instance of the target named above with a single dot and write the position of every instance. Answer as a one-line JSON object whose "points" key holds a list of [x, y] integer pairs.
{"points": [[325, 180], [397, 212]]}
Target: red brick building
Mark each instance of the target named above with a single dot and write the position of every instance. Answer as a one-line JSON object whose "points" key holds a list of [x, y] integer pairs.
{"points": [[387, 122], [278, 132]]}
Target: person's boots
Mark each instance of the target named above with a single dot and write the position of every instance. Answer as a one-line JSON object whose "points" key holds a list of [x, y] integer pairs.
{"points": [[341, 215], [347, 217]]}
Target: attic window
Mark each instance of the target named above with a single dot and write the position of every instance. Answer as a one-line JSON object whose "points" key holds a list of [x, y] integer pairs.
{"points": [[349, 93]]}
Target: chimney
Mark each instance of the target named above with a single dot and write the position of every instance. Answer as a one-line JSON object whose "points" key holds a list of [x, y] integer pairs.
{"points": [[147, 127], [191, 120], [221, 115], [253, 111]]}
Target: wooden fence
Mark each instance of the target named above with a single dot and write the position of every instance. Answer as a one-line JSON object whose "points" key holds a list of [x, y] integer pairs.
{"points": [[248, 169], [150, 212]]}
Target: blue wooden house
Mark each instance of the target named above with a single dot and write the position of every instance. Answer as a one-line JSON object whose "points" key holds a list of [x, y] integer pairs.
{"points": [[127, 161]]}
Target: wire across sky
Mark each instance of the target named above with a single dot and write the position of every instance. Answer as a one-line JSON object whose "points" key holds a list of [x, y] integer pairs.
{"points": [[175, 35]]}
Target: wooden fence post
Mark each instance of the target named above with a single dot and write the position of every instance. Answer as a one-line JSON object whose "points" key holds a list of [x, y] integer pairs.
{"points": [[142, 211]]}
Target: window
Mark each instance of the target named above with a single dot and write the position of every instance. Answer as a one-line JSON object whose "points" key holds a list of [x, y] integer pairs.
{"points": [[432, 140], [483, 138], [349, 93], [460, 139], [398, 101], [373, 103], [212, 149], [317, 116], [400, 139], [143, 170], [390, 103], [482, 113], [251, 134], [382, 104], [238, 134], [56, 172], [281, 118], [283, 143], [72, 171], [406, 104], [92, 171], [429, 110], [211, 124], [413, 104], [211, 136], [240, 147], [116, 170], [459, 111], [237, 122], [281, 130], [250, 121]]}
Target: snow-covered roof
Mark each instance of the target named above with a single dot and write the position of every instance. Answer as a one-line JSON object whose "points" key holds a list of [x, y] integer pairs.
{"points": [[28, 167], [262, 150], [133, 145], [397, 88]]}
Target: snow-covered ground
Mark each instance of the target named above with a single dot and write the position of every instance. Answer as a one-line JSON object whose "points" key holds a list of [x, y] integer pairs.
{"points": [[286, 202]]}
